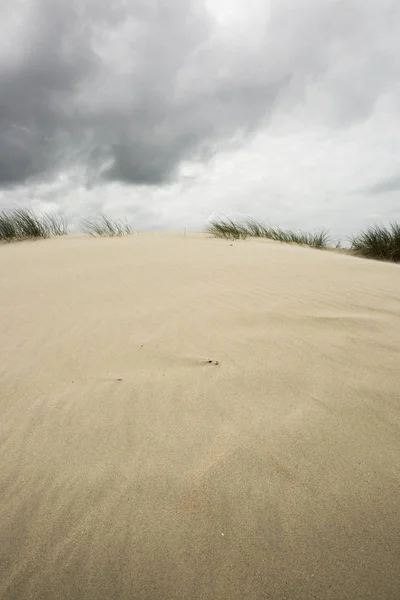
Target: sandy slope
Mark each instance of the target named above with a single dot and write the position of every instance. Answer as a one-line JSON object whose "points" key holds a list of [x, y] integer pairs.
{"points": [[274, 474]]}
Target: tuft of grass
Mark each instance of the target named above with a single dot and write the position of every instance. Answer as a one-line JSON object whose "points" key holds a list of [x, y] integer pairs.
{"points": [[378, 242], [104, 226], [8, 228], [229, 229], [23, 224], [56, 224]]}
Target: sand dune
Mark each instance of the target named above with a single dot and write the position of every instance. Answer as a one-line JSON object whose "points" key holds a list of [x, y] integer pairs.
{"points": [[132, 467]]}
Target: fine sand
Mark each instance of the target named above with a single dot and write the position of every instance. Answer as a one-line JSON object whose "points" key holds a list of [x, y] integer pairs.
{"points": [[132, 467]]}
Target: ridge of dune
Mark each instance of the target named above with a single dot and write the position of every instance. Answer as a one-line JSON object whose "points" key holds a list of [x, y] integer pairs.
{"points": [[190, 418]]}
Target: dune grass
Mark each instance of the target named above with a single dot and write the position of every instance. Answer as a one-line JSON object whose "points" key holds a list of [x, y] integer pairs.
{"points": [[235, 230], [378, 242], [228, 229], [23, 224], [104, 226]]}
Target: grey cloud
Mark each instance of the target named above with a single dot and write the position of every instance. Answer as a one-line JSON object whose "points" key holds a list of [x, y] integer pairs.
{"points": [[391, 184], [36, 89], [342, 54], [129, 90]]}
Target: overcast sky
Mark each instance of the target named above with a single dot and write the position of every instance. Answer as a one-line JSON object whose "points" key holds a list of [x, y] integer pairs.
{"points": [[174, 111]]}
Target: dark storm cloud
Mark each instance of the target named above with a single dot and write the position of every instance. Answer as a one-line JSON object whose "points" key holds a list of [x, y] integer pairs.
{"points": [[130, 89], [99, 85], [40, 70]]}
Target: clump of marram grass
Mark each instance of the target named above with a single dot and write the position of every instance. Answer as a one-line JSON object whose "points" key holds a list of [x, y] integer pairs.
{"points": [[229, 229], [378, 242], [104, 226], [55, 223], [24, 224]]}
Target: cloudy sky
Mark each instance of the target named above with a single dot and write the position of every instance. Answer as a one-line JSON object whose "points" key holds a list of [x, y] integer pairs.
{"points": [[174, 111]]}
